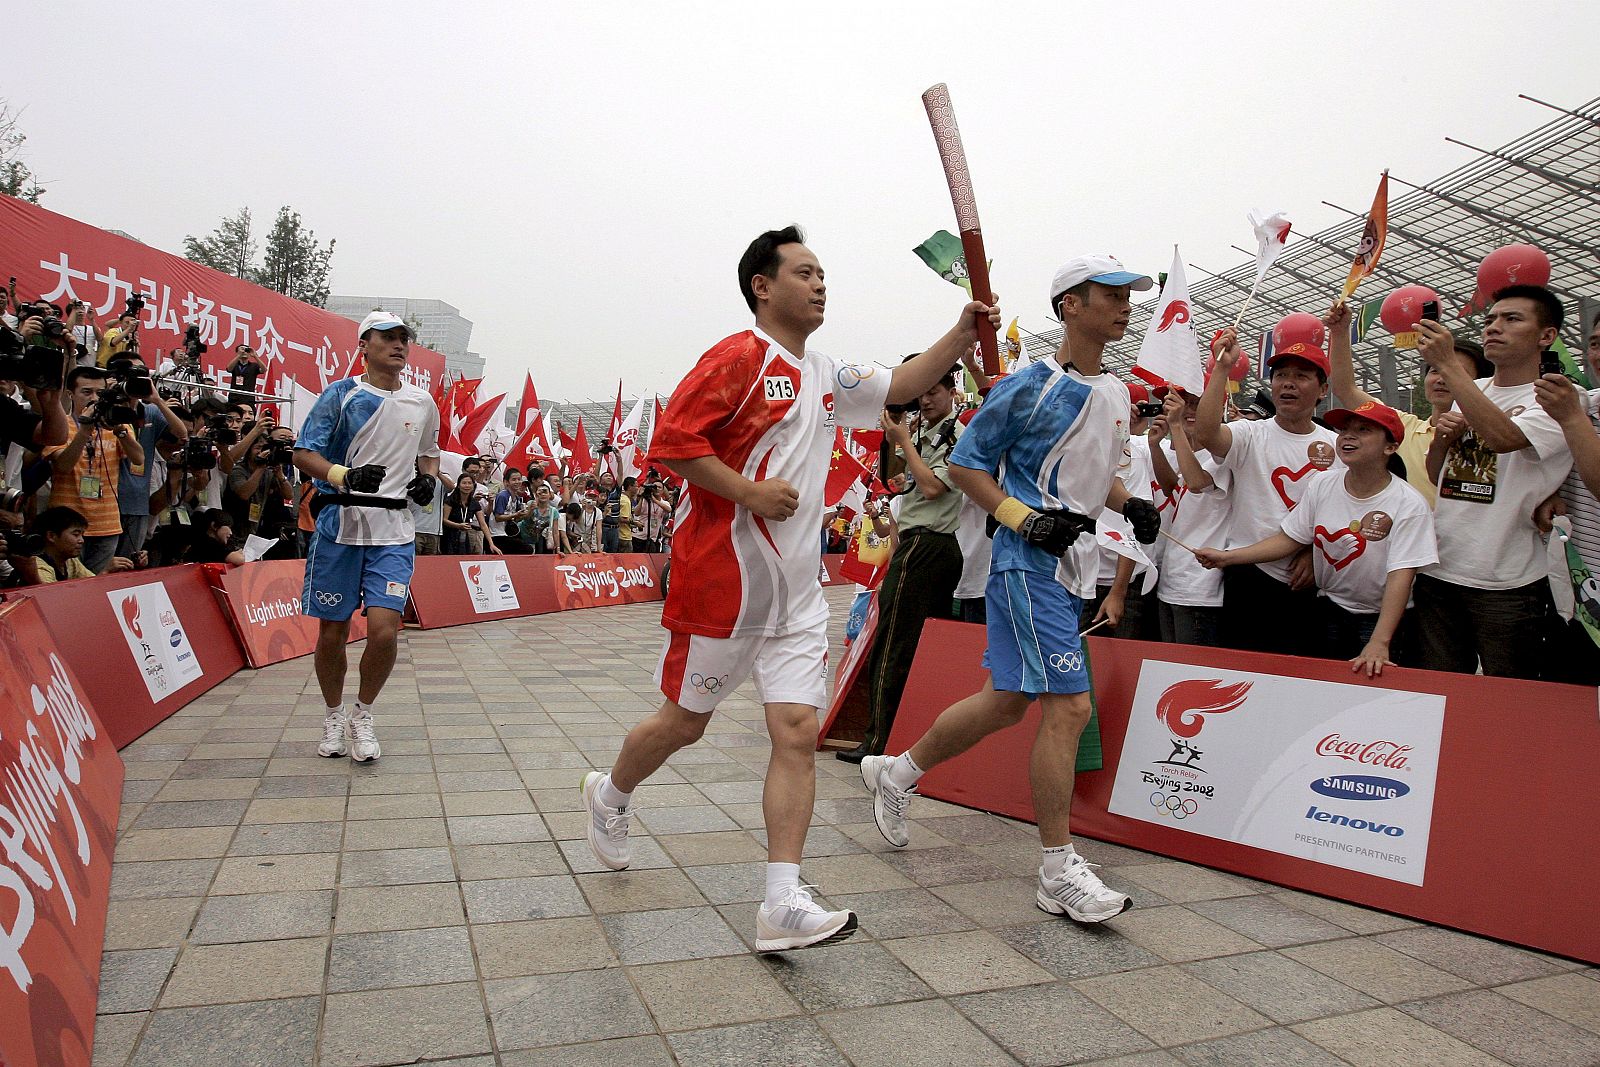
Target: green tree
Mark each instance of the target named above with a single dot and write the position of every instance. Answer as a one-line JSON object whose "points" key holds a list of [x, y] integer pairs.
{"points": [[230, 248], [16, 179], [294, 263]]}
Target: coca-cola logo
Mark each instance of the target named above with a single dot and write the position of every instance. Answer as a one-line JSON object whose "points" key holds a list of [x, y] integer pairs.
{"points": [[1384, 753]]}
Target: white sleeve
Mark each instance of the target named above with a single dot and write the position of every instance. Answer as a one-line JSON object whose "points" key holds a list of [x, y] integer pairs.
{"points": [[1411, 540], [859, 393]]}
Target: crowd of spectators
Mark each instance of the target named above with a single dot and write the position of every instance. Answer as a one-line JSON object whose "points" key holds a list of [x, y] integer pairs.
{"points": [[110, 468]]}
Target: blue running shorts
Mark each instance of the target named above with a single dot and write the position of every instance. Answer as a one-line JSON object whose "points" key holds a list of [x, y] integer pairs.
{"points": [[341, 577], [1033, 635]]}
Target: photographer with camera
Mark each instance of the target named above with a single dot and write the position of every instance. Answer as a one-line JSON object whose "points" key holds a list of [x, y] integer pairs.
{"points": [[246, 369], [611, 521], [86, 470], [157, 426], [512, 506], [123, 337], [81, 328], [254, 482], [36, 361], [920, 583]]}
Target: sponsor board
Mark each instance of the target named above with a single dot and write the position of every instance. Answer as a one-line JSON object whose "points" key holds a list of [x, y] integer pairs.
{"points": [[489, 586], [60, 787], [161, 650], [589, 583], [1338, 774], [263, 602]]}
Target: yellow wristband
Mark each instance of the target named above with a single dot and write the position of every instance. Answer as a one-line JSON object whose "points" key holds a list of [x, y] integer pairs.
{"points": [[1012, 513], [336, 474]]}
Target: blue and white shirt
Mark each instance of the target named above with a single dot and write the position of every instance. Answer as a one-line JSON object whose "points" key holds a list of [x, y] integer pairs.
{"points": [[355, 423], [1052, 438]]}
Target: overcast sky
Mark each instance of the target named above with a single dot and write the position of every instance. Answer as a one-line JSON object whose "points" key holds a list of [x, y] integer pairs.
{"points": [[581, 179]]}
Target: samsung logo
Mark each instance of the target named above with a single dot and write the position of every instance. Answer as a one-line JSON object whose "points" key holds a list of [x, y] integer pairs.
{"points": [[1359, 787]]}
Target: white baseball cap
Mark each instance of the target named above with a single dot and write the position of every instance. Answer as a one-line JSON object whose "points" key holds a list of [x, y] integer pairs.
{"points": [[384, 320], [1096, 267]]}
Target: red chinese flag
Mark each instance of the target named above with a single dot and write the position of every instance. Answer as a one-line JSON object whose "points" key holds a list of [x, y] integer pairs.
{"points": [[844, 470], [580, 458], [529, 409]]}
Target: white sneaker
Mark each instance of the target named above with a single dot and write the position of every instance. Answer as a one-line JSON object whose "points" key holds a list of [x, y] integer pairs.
{"points": [[608, 826], [797, 922], [335, 733], [363, 742], [888, 803], [1081, 894]]}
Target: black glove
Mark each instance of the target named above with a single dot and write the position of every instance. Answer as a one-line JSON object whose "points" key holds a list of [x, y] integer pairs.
{"points": [[365, 479], [420, 489], [1055, 530], [1144, 518]]}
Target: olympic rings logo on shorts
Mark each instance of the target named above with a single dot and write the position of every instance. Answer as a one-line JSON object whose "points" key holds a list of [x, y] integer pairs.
{"points": [[1067, 661], [329, 600], [1166, 804], [707, 683]]}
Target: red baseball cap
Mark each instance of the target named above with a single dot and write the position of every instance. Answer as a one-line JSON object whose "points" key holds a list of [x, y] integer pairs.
{"points": [[1302, 350], [1373, 412], [1138, 393]]}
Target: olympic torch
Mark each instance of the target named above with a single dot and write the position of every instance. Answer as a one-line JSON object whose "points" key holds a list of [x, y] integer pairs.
{"points": [[942, 117]]}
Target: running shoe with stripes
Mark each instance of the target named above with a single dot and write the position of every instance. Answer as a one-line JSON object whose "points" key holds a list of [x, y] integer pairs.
{"points": [[1080, 894], [335, 733], [608, 826], [796, 921], [888, 803]]}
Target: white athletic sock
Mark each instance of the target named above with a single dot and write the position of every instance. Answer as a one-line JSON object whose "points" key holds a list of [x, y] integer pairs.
{"points": [[903, 771], [362, 711], [1056, 860], [781, 876], [335, 708], [611, 796]]}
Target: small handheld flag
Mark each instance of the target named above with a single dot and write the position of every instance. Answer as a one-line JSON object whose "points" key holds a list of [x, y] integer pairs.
{"points": [[1372, 238]]}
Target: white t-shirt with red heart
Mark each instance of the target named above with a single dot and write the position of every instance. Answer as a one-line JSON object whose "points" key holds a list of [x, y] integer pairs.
{"points": [[1268, 470], [1200, 520], [1357, 541]]}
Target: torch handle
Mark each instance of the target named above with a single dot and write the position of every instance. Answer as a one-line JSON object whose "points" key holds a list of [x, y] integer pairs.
{"points": [[978, 276]]}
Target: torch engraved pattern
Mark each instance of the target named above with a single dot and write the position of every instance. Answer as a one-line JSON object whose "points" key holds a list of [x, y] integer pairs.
{"points": [[942, 117]]}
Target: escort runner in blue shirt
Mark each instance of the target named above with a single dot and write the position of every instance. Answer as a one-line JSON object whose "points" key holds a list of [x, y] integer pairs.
{"points": [[371, 444], [1041, 457]]}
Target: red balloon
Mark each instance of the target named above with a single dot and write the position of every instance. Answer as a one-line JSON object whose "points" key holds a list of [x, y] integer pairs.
{"points": [[1240, 370], [1299, 328], [1402, 309], [1512, 265]]}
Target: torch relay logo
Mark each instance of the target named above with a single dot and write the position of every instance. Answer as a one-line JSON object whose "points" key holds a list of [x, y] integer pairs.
{"points": [[1183, 708]]}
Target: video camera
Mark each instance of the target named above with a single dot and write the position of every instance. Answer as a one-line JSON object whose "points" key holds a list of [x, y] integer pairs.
{"points": [[19, 543], [115, 407], [198, 453], [133, 376], [192, 345], [33, 365], [1148, 409], [605, 446]]}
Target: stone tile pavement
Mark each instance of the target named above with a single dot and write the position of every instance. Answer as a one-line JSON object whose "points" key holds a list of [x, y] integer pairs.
{"points": [[273, 908]]}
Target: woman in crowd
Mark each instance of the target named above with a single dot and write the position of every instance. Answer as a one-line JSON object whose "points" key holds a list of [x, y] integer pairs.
{"points": [[212, 530], [464, 512], [545, 528]]}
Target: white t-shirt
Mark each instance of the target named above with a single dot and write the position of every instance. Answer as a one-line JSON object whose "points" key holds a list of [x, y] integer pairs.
{"points": [[1136, 475], [1199, 518], [767, 413], [512, 503], [976, 549], [1356, 541], [1269, 469], [1484, 516]]}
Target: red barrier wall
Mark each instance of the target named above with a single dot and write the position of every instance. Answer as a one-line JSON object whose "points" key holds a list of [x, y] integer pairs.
{"points": [[263, 603], [92, 629], [60, 790], [452, 590], [1513, 761]]}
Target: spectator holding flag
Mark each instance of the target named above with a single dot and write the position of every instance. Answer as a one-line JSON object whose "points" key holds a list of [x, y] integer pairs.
{"points": [[1190, 594], [1269, 465], [1369, 532]]}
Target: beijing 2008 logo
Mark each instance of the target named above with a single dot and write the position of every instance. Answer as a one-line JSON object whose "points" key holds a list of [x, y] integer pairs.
{"points": [[1178, 791]]}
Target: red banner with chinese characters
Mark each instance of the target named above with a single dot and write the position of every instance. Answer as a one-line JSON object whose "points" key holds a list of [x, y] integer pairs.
{"points": [[263, 601], [59, 259], [60, 788]]}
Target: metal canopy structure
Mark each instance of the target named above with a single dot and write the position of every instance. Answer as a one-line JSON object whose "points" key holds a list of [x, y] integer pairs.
{"points": [[1542, 189]]}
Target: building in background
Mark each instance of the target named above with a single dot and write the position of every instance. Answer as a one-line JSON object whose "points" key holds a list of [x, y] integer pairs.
{"points": [[440, 326]]}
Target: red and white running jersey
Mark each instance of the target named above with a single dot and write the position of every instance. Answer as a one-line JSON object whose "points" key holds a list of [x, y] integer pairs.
{"points": [[767, 414]]}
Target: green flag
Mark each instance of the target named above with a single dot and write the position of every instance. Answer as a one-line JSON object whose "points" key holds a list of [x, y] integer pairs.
{"points": [[942, 253], [1365, 315], [1569, 366], [1586, 598]]}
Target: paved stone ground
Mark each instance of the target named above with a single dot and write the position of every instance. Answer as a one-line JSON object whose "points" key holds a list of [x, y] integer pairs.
{"points": [[270, 907]]}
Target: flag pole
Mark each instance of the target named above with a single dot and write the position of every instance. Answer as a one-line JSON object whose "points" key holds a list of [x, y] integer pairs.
{"points": [[1248, 298], [1179, 543], [1096, 626]]}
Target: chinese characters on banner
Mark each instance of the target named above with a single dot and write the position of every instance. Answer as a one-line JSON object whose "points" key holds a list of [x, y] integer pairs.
{"points": [[1334, 773], [59, 259]]}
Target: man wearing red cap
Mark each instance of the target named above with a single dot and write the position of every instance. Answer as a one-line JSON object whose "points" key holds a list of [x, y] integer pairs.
{"points": [[1368, 531], [1268, 466]]}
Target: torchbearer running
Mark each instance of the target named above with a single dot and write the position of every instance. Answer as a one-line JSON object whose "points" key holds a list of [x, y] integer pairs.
{"points": [[371, 443], [1040, 456], [751, 429]]}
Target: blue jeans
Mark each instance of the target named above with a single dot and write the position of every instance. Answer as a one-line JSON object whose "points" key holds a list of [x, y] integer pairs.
{"points": [[1504, 629]]}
